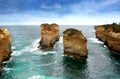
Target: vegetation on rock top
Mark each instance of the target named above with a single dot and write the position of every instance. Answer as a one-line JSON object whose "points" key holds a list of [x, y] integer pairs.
{"points": [[114, 26], [45, 24], [71, 31]]}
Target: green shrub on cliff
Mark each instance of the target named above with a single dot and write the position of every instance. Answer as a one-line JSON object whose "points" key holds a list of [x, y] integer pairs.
{"points": [[114, 26], [71, 31], [48, 25]]}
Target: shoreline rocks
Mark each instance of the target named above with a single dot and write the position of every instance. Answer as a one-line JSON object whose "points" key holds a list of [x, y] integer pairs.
{"points": [[5, 46], [110, 37], [49, 35], [75, 44]]}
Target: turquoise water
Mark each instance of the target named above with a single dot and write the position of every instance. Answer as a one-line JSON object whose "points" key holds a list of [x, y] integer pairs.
{"points": [[29, 62]]}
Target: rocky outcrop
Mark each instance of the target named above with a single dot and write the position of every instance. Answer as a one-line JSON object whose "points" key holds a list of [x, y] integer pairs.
{"points": [[110, 37], [101, 34], [49, 35], [5, 45], [113, 42], [75, 44]]}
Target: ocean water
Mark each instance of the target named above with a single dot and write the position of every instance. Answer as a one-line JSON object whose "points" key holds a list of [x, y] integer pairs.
{"points": [[29, 62]]}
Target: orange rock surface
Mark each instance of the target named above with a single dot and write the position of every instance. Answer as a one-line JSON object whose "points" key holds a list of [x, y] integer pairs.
{"points": [[75, 44], [5, 45], [49, 35], [110, 38]]}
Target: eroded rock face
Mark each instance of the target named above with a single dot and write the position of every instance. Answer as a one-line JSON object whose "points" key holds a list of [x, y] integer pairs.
{"points": [[49, 35], [113, 42], [101, 34], [110, 38], [75, 44], [5, 45]]}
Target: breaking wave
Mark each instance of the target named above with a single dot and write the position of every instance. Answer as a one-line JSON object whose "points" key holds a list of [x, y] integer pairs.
{"points": [[33, 48], [95, 40], [37, 77]]}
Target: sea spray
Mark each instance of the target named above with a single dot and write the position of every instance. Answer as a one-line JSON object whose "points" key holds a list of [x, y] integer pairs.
{"points": [[95, 40], [37, 77]]}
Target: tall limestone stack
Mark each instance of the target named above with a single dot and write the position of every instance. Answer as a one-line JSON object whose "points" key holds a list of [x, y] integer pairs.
{"points": [[49, 35], [75, 44], [5, 45], [110, 35]]}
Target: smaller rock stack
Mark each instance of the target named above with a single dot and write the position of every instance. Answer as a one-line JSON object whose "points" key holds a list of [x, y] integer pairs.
{"points": [[5, 46], [75, 44], [49, 35]]}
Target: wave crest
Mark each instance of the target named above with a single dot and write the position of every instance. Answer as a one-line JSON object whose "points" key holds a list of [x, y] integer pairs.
{"points": [[37, 77]]}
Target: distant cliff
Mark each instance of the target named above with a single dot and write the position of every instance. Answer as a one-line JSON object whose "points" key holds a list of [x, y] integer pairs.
{"points": [[75, 44], [5, 45], [110, 35], [49, 35]]}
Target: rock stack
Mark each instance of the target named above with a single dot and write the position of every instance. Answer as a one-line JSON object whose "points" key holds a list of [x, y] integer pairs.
{"points": [[5, 46], [49, 35], [75, 44], [110, 36]]}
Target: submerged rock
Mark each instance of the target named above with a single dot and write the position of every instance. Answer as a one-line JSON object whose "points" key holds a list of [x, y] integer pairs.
{"points": [[49, 35], [110, 36], [75, 44], [5, 46]]}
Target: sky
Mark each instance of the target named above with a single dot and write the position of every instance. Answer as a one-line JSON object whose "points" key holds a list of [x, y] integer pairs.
{"points": [[63, 12]]}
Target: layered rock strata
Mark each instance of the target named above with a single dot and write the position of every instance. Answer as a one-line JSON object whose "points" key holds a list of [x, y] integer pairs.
{"points": [[110, 37], [49, 35], [75, 44], [5, 45]]}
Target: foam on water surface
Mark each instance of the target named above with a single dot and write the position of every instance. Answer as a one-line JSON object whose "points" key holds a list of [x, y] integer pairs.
{"points": [[37, 77], [30, 62], [95, 40]]}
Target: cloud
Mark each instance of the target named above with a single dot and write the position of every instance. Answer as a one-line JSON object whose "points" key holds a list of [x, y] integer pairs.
{"points": [[70, 19], [92, 6], [54, 6], [87, 12]]}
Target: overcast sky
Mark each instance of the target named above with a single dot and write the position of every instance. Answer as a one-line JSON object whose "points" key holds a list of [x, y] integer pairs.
{"points": [[70, 12]]}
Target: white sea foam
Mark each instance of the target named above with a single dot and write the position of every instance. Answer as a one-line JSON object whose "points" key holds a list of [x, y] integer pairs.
{"points": [[8, 60], [37, 77], [60, 40], [33, 48], [39, 52], [17, 53], [7, 69], [105, 46], [95, 40], [13, 48]]}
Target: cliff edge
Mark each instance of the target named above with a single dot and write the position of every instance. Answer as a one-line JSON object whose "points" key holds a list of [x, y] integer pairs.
{"points": [[110, 35], [5, 45]]}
